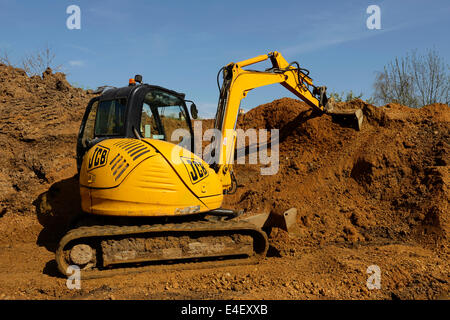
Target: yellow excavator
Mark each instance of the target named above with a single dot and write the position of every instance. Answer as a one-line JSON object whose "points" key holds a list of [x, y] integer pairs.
{"points": [[148, 201]]}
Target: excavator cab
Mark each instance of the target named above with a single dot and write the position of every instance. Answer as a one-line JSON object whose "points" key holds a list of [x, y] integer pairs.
{"points": [[137, 111]]}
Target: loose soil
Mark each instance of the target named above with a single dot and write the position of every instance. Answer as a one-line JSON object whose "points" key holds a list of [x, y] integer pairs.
{"points": [[378, 196]]}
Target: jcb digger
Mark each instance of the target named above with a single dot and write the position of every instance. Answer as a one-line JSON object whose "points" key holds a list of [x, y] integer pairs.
{"points": [[147, 200]]}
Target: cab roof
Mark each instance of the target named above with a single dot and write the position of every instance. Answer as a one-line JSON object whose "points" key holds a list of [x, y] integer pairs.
{"points": [[126, 92]]}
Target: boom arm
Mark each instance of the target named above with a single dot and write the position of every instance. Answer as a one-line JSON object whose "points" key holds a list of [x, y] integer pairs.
{"points": [[237, 82]]}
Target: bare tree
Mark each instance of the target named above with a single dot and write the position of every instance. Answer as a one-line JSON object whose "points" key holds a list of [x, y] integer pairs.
{"points": [[413, 80], [395, 83], [431, 78], [37, 62], [4, 58]]}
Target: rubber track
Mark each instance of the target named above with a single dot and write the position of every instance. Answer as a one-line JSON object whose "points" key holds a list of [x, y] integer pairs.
{"points": [[106, 231]]}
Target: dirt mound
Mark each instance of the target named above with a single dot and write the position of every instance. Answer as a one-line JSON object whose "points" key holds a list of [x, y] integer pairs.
{"points": [[38, 127], [368, 197], [385, 183]]}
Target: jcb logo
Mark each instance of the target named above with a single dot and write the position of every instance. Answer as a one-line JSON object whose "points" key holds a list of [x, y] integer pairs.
{"points": [[196, 170], [98, 158]]}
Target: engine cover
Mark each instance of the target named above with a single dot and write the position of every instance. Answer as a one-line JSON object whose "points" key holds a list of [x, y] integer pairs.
{"points": [[132, 177]]}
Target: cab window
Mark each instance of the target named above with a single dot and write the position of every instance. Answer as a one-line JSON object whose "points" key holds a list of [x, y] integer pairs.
{"points": [[110, 118], [162, 115]]}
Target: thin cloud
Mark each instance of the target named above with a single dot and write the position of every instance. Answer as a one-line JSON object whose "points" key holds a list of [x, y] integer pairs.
{"points": [[109, 14], [327, 32], [76, 63], [81, 48], [314, 45], [335, 28], [5, 45]]}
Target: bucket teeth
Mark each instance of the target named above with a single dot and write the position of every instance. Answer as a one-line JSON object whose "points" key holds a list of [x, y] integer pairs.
{"points": [[359, 116], [329, 105], [354, 116]]}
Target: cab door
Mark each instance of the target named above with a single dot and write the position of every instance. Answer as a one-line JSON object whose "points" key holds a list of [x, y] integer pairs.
{"points": [[86, 132]]}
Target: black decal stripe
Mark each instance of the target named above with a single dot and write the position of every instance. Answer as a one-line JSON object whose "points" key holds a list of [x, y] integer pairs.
{"points": [[121, 172], [114, 159], [140, 154], [138, 150], [126, 175], [135, 148], [120, 166], [131, 146], [116, 163], [123, 143], [128, 143]]}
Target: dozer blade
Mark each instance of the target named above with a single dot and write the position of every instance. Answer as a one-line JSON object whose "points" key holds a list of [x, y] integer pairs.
{"points": [[352, 117]]}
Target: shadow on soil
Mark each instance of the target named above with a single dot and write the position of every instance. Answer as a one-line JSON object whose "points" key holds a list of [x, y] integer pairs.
{"points": [[285, 131], [51, 269], [56, 210]]}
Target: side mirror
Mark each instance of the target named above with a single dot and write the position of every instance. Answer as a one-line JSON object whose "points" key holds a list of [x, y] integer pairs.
{"points": [[194, 111]]}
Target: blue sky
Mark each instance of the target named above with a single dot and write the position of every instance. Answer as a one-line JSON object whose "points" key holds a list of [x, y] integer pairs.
{"points": [[182, 44]]}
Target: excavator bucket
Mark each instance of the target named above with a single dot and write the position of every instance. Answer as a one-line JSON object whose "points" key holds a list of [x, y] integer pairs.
{"points": [[286, 221], [350, 117]]}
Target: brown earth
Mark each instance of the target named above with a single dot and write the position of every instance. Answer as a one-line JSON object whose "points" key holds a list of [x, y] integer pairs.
{"points": [[378, 196]]}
